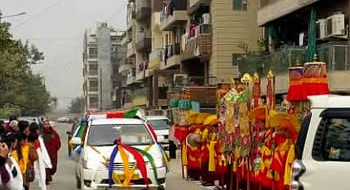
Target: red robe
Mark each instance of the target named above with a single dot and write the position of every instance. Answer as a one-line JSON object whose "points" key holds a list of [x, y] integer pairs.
{"points": [[52, 143]]}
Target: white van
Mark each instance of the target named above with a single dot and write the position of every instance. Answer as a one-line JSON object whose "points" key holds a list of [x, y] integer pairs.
{"points": [[161, 126], [323, 146]]}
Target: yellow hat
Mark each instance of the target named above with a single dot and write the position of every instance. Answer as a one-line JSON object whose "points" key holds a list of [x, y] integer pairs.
{"points": [[258, 113], [285, 120], [192, 118], [211, 120], [201, 117]]}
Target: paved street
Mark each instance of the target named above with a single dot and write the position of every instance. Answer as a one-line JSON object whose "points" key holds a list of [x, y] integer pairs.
{"points": [[65, 178]]}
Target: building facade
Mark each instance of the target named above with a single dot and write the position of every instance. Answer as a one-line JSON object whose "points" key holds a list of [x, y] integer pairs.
{"points": [[286, 24], [99, 63], [196, 40]]}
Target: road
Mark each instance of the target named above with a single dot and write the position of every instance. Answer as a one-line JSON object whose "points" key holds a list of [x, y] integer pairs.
{"points": [[65, 177]]}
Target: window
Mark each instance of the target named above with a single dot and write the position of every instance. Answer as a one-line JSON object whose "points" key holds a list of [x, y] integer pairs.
{"points": [[332, 141], [104, 135], [93, 53], [160, 124], [236, 59], [93, 102], [93, 69], [93, 86], [240, 5]]}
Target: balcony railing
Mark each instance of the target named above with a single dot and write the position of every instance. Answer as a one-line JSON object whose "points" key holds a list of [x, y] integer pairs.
{"points": [[130, 49], [171, 16], [93, 88], [198, 42], [130, 80], [140, 92], [155, 58], [336, 57], [93, 72], [143, 10], [171, 56], [279, 62], [143, 41]]}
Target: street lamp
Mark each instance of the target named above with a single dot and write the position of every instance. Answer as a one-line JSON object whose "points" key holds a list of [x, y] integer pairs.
{"points": [[18, 14]]}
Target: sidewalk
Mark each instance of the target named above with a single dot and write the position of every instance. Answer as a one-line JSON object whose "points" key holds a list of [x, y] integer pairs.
{"points": [[175, 180]]}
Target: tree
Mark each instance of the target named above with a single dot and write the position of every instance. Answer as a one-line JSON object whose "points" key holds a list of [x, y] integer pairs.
{"points": [[76, 105], [18, 85]]}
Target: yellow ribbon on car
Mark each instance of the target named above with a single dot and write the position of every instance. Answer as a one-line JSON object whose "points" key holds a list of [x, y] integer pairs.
{"points": [[125, 161]]}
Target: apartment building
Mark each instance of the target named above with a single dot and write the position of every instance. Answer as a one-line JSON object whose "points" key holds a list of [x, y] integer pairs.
{"points": [[138, 42], [215, 30], [99, 62], [193, 39], [286, 25]]}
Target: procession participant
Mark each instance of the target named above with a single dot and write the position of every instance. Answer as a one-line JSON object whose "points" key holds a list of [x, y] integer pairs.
{"points": [[25, 155], [262, 154], [284, 155], [208, 136], [10, 173], [52, 144], [193, 142]]}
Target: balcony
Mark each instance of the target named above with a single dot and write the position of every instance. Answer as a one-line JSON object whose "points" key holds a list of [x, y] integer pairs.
{"points": [[198, 46], [335, 55], [273, 9], [143, 42], [140, 76], [130, 80], [194, 5], [143, 10], [170, 21], [93, 73], [126, 66], [155, 58], [130, 49], [139, 97], [171, 57]]}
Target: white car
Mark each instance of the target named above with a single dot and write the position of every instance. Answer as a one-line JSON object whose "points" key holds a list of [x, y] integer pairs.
{"points": [[161, 126], [323, 146], [92, 169], [63, 120]]}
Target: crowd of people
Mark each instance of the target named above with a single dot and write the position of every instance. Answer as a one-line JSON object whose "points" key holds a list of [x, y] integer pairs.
{"points": [[28, 154]]}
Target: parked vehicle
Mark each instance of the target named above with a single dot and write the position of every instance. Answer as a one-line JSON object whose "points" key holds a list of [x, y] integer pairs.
{"points": [[30, 119], [92, 171], [323, 145], [63, 120], [70, 133], [161, 126]]}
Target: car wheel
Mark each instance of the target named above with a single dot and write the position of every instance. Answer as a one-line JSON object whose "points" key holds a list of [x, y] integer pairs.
{"points": [[78, 181]]}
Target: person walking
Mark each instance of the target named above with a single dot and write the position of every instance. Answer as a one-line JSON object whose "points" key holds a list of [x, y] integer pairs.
{"points": [[52, 143], [43, 161]]}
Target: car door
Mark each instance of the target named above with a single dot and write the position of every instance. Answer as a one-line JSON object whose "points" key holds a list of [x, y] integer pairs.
{"points": [[326, 155]]}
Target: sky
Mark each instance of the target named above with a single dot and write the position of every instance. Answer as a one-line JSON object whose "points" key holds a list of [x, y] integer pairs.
{"points": [[57, 27]]}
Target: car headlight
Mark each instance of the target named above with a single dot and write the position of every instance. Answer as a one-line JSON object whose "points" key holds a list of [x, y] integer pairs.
{"points": [[159, 162]]}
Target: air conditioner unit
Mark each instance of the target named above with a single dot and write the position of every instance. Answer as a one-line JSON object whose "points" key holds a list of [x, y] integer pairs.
{"points": [[321, 28], [180, 79], [336, 25]]}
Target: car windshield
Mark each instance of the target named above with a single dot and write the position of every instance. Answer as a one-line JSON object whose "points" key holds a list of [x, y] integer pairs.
{"points": [[104, 135], [160, 124]]}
